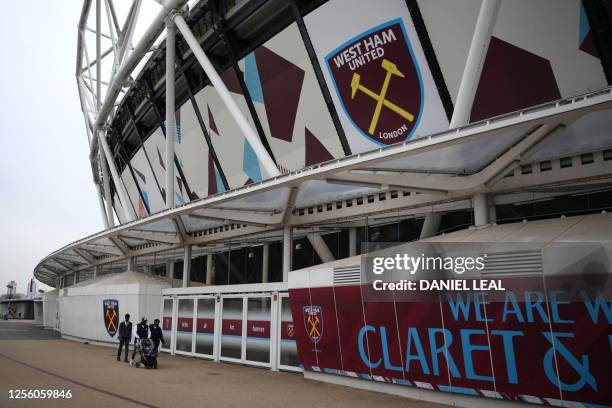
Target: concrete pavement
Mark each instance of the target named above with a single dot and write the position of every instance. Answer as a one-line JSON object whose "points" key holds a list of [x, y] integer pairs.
{"points": [[37, 359]]}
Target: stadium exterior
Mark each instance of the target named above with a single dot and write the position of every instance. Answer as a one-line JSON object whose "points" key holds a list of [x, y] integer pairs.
{"points": [[264, 145]]}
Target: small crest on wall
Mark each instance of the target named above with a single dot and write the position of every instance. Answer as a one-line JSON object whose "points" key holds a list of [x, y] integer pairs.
{"points": [[313, 322], [110, 310]]}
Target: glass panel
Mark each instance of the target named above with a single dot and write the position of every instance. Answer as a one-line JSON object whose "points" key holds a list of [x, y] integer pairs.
{"points": [[167, 323], [590, 132], [288, 347], [464, 157], [231, 328], [205, 327], [258, 329], [184, 325]]}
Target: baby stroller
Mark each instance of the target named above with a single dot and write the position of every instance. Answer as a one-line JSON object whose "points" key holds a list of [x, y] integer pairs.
{"points": [[148, 354]]}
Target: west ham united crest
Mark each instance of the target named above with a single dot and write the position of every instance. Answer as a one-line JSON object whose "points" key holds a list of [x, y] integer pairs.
{"points": [[378, 82], [110, 309], [313, 322]]}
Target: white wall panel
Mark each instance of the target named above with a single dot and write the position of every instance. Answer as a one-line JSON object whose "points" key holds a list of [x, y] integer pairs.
{"points": [[192, 151], [146, 181], [227, 139], [155, 145], [295, 83]]}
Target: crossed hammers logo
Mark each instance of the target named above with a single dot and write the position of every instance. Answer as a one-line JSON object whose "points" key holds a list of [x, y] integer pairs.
{"points": [[314, 321], [380, 97], [110, 319]]}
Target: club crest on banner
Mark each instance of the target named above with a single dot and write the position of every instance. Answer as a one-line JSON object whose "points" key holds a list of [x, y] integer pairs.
{"points": [[110, 310], [290, 330], [378, 82], [313, 322]]}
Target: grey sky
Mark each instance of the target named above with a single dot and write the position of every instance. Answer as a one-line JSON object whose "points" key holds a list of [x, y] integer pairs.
{"points": [[47, 198]]}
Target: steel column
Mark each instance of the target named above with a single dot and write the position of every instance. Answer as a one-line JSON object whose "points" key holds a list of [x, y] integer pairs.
{"points": [[265, 267], [475, 62], [210, 269], [110, 219], [102, 209], [481, 210], [352, 241], [116, 179], [170, 270], [131, 261], [430, 224], [287, 251], [170, 110], [187, 266]]}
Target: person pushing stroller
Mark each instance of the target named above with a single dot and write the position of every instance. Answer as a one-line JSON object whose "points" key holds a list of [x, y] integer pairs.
{"points": [[145, 346], [142, 332]]}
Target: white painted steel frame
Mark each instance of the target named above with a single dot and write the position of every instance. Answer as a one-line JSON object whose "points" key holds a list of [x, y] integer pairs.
{"points": [[193, 326], [98, 108], [475, 61], [243, 345], [243, 329], [552, 113], [282, 297], [125, 60], [170, 341], [215, 327], [275, 297]]}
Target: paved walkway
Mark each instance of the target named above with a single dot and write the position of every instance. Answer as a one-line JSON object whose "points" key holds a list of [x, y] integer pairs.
{"points": [[33, 358]]}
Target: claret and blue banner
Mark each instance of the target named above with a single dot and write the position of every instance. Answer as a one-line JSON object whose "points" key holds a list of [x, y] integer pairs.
{"points": [[519, 348], [544, 338]]}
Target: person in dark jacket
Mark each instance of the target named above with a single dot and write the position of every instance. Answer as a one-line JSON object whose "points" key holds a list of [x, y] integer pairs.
{"points": [[156, 334], [125, 335], [142, 332]]}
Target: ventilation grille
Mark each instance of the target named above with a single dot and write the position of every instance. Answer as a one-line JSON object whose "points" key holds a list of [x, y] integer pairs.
{"points": [[522, 263], [350, 275]]}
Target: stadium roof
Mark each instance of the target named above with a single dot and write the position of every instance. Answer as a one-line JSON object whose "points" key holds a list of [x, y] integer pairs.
{"points": [[439, 172]]}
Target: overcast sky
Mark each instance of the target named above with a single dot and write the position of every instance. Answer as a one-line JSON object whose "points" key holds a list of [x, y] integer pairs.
{"points": [[47, 198]]}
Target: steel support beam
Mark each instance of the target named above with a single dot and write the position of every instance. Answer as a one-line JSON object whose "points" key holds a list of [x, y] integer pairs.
{"points": [[162, 237], [107, 190], [475, 61], [430, 224], [481, 210], [320, 247], [287, 251], [91, 260], [103, 212], [171, 130], [119, 187], [187, 266], [131, 263], [144, 45], [265, 267], [170, 270], [210, 269], [352, 241], [260, 151]]}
